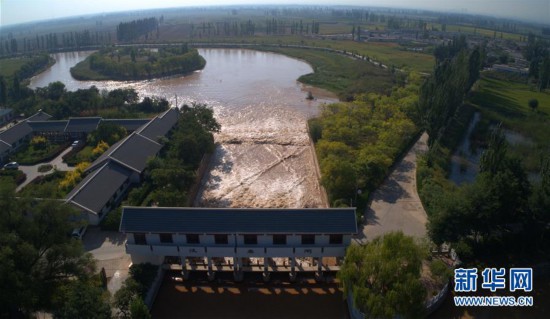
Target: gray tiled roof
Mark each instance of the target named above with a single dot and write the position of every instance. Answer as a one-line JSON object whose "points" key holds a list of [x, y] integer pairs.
{"points": [[82, 124], [128, 124], [160, 125], [135, 151], [4, 147], [22, 129], [238, 220], [16, 132], [48, 126], [39, 116], [94, 191]]}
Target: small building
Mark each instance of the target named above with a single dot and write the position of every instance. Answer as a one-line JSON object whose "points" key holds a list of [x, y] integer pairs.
{"points": [[14, 137], [6, 115], [156, 234], [78, 128], [110, 176]]}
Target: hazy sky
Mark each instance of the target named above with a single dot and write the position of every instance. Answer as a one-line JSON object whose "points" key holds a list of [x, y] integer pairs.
{"points": [[17, 11]]}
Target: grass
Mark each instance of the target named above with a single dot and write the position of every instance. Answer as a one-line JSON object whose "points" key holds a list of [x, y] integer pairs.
{"points": [[47, 185], [15, 175], [84, 155], [9, 66], [340, 74], [505, 101], [29, 155], [389, 54]]}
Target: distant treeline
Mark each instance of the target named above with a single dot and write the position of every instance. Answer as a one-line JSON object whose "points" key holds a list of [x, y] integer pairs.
{"points": [[249, 28], [133, 30], [54, 41], [132, 64]]}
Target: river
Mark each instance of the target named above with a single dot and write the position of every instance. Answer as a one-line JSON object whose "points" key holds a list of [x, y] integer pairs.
{"points": [[264, 157]]}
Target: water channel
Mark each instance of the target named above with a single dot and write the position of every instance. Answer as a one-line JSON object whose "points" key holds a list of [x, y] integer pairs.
{"points": [[264, 157]]}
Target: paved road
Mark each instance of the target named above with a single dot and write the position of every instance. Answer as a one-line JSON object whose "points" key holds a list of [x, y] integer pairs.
{"points": [[32, 170], [396, 205], [108, 248]]}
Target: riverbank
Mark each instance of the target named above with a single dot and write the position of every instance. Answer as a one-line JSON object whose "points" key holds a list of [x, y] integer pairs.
{"points": [[343, 75]]}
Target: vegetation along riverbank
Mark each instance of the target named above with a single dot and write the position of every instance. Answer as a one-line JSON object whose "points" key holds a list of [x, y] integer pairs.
{"points": [[129, 63]]}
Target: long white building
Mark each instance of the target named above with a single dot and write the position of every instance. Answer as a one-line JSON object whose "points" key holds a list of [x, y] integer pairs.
{"points": [[156, 234]]}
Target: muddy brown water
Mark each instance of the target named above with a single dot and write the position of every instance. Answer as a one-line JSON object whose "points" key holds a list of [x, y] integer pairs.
{"points": [[264, 157]]}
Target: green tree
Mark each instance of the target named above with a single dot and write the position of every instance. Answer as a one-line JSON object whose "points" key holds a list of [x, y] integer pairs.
{"points": [[139, 310], [124, 296], [384, 276], [107, 132], [37, 257], [84, 300]]}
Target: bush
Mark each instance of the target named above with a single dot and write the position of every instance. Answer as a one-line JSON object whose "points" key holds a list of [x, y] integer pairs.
{"points": [[99, 149], [45, 168], [112, 221], [144, 275], [73, 177], [32, 155], [39, 142], [440, 270]]}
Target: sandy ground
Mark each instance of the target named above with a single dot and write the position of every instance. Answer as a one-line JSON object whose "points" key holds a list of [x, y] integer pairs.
{"points": [[197, 298]]}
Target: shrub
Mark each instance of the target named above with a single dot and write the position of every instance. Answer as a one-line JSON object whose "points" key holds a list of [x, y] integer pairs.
{"points": [[73, 177], [44, 168], [39, 142], [99, 149], [112, 220]]}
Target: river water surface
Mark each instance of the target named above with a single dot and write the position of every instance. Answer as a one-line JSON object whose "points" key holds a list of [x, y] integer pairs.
{"points": [[264, 158]]}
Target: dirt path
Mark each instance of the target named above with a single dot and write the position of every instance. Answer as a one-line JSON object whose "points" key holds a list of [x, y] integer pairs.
{"points": [[396, 205]]}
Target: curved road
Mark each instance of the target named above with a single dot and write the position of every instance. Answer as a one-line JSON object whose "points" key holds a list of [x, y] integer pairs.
{"points": [[396, 205]]}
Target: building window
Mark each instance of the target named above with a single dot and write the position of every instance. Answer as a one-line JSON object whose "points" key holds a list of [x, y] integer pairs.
{"points": [[308, 239], [192, 238], [336, 239], [166, 238], [221, 239], [279, 239], [139, 239], [250, 239]]}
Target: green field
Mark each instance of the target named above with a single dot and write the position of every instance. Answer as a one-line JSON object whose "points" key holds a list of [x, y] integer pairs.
{"points": [[507, 102], [9, 66], [340, 74]]}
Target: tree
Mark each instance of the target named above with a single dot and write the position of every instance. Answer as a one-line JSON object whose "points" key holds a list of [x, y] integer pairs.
{"points": [[37, 257], [124, 296], [108, 133], [533, 104], [384, 276], [84, 300], [139, 310]]}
